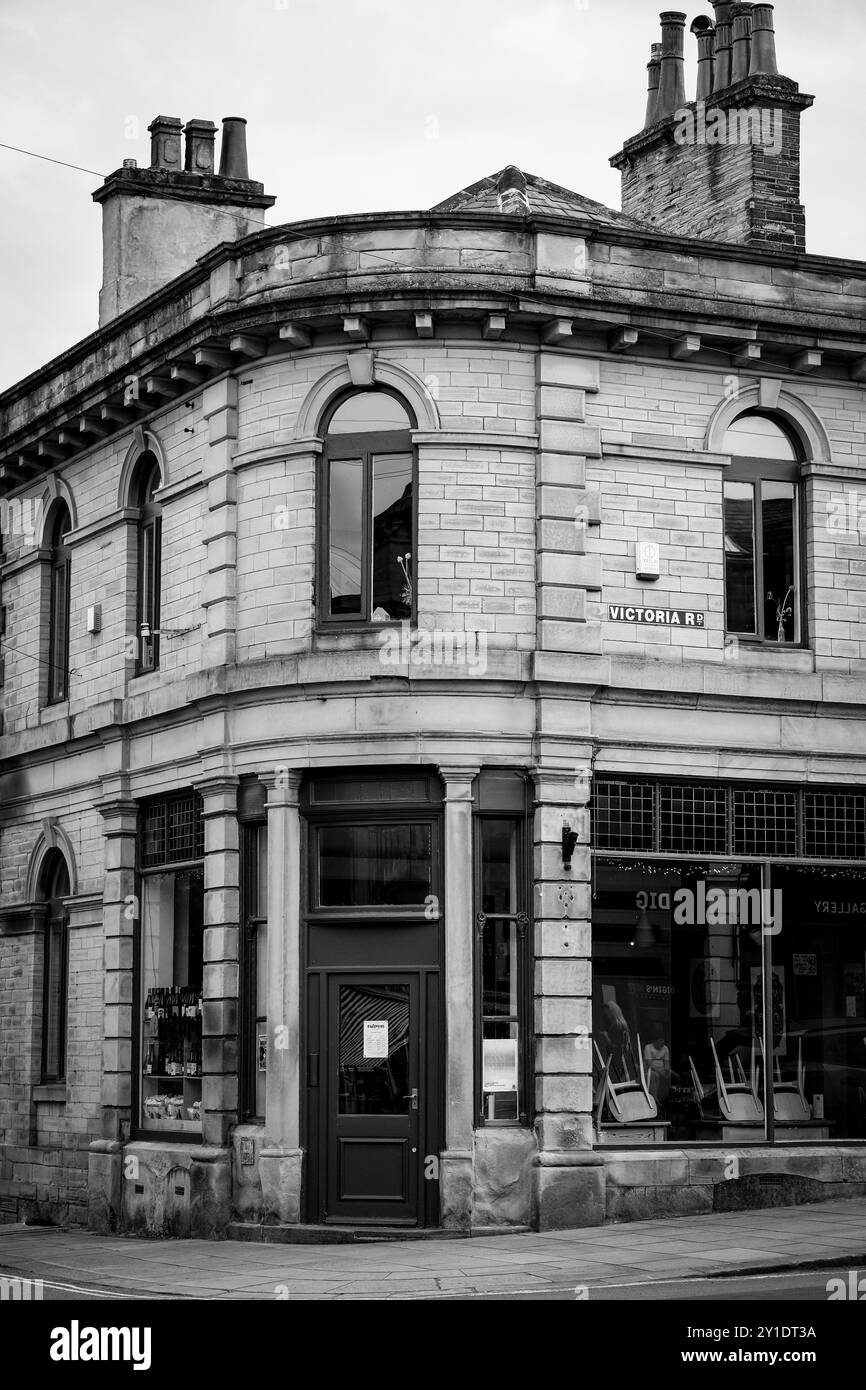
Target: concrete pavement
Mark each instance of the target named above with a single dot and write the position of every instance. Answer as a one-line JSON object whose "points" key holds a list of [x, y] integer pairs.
{"points": [[828, 1233]]}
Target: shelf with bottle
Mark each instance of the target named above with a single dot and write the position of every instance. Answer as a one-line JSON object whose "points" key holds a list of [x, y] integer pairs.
{"points": [[172, 1060]]}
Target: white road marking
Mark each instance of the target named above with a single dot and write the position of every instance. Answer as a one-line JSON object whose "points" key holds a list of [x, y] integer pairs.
{"points": [[598, 1288]]}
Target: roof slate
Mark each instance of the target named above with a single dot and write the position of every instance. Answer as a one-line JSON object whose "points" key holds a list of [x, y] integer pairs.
{"points": [[545, 199]]}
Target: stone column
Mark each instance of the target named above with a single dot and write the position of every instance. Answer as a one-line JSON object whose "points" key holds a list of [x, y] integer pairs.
{"points": [[221, 960], [569, 1187], [455, 1170], [120, 911], [281, 1160]]}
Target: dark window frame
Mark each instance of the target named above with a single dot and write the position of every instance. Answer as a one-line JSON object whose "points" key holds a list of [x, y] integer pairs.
{"points": [[427, 808], [56, 888], [524, 962], [363, 445], [758, 471], [148, 861], [148, 577], [60, 574], [252, 919]]}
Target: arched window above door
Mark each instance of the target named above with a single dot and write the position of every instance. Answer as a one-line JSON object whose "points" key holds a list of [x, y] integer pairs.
{"points": [[367, 502]]}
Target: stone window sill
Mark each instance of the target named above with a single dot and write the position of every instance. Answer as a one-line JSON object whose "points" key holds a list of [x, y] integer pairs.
{"points": [[50, 1091]]}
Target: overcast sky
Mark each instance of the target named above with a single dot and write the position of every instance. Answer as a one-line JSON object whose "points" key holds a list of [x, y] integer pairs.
{"points": [[358, 106]]}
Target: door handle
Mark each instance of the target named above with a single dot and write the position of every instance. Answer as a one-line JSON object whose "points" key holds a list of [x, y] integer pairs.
{"points": [[412, 1097]]}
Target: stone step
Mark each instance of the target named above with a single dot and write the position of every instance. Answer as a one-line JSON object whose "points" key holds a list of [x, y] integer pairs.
{"points": [[350, 1235]]}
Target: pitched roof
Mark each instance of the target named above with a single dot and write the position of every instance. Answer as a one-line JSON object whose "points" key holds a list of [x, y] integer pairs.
{"points": [[511, 191]]}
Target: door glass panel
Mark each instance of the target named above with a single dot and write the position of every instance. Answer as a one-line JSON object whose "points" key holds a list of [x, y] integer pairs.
{"points": [[345, 543], [498, 866], [777, 514], [392, 536], [374, 865], [374, 1050], [740, 556]]}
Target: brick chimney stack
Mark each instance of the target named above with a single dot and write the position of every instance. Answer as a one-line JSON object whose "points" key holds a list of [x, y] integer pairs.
{"points": [[725, 166], [156, 222]]}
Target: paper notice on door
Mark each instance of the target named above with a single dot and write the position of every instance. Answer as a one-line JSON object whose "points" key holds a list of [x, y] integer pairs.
{"points": [[500, 1064], [375, 1037]]}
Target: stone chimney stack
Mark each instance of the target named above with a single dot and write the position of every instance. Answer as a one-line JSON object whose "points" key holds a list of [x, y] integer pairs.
{"points": [[725, 166], [156, 222]]}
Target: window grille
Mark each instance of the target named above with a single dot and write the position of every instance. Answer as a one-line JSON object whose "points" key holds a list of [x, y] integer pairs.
{"points": [[633, 816], [693, 819], [765, 822], [623, 815], [835, 825], [173, 831]]}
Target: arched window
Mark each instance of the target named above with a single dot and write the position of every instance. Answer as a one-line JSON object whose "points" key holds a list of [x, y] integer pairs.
{"points": [[58, 622], [149, 563], [763, 588], [53, 888], [367, 509]]}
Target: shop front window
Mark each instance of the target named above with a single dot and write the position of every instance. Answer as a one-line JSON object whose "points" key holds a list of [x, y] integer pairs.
{"points": [[677, 1000], [171, 968], [729, 978], [680, 985], [819, 993]]}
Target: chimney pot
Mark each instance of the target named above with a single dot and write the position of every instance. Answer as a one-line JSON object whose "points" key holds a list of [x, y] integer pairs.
{"points": [[653, 78], [742, 43], [724, 26], [233, 149], [672, 84], [763, 59], [165, 142], [130, 164], [199, 148], [705, 31]]}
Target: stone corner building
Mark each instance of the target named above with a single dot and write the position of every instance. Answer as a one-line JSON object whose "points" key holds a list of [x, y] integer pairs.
{"points": [[433, 771]]}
